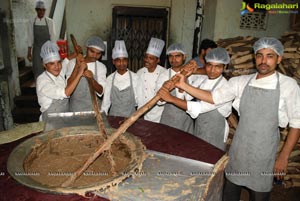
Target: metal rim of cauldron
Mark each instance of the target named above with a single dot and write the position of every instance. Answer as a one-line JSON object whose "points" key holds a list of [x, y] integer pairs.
{"points": [[17, 156]]}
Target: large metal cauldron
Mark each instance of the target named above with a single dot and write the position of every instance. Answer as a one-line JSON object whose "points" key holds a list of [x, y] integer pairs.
{"points": [[19, 155]]}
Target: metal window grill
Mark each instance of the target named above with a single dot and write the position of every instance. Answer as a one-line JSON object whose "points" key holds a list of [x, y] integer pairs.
{"points": [[136, 32], [254, 20], [136, 29]]}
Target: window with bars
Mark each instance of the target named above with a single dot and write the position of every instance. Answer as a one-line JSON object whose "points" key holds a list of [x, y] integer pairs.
{"points": [[136, 26]]}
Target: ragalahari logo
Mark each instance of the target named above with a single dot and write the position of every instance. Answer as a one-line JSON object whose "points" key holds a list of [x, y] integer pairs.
{"points": [[246, 8]]}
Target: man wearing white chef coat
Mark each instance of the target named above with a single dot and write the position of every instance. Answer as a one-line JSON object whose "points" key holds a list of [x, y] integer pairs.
{"points": [[148, 76], [40, 30], [265, 101], [119, 97], [210, 123], [52, 90], [173, 115], [80, 99]]}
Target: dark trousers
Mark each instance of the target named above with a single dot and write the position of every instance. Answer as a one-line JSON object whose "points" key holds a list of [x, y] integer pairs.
{"points": [[232, 192]]}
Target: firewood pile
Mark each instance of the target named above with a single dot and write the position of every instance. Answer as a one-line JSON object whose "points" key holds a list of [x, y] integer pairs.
{"points": [[293, 172], [241, 53], [290, 64], [243, 63], [242, 57]]}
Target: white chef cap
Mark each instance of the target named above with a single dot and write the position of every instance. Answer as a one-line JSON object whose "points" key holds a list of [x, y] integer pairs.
{"points": [[269, 42], [119, 50], [40, 4], [49, 52], [155, 47], [218, 55], [95, 42], [176, 47]]}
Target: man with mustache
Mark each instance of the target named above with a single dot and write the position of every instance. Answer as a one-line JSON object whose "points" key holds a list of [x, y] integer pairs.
{"points": [[265, 101], [210, 120], [148, 76], [80, 100], [119, 97], [173, 115]]}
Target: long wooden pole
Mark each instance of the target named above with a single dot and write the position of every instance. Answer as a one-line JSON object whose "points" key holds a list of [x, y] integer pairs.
{"points": [[99, 119], [75, 45], [106, 145]]}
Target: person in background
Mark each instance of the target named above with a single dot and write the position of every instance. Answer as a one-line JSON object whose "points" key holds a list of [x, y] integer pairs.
{"points": [[264, 101], [173, 115], [51, 87], [119, 97], [148, 76], [80, 99], [210, 124], [205, 46], [40, 30]]}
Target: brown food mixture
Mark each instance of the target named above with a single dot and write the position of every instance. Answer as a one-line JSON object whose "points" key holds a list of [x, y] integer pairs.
{"points": [[55, 160]]}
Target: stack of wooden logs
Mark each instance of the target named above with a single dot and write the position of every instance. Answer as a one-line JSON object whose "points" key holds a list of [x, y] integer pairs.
{"points": [[241, 53], [242, 63], [293, 171], [290, 64]]}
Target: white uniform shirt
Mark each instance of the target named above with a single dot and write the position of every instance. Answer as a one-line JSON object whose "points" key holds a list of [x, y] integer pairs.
{"points": [[40, 22], [121, 82], [181, 95], [48, 88], [64, 65], [194, 108], [289, 104], [147, 90], [101, 72]]}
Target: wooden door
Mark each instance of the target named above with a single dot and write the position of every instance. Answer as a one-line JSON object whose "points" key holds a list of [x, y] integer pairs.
{"points": [[136, 26]]}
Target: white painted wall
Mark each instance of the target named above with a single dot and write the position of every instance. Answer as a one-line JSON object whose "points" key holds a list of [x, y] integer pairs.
{"points": [[9, 82], [223, 21], [209, 19], [23, 10], [182, 24], [95, 18], [58, 16]]}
